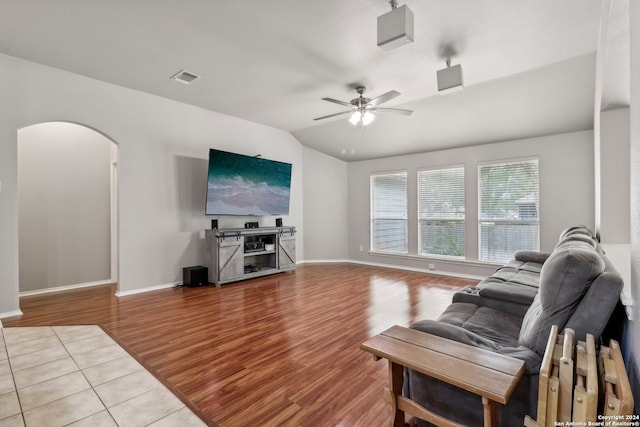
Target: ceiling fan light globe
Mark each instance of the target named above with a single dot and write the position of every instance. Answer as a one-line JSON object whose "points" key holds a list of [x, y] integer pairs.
{"points": [[367, 118], [355, 118]]}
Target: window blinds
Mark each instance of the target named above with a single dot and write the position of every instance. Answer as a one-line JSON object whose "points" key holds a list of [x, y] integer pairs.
{"points": [[509, 220], [389, 212], [441, 212]]}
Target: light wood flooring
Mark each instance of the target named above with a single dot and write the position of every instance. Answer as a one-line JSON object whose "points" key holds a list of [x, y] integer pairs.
{"points": [[279, 350]]}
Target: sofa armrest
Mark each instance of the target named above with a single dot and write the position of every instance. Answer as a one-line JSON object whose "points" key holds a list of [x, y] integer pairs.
{"points": [[510, 293], [532, 256]]}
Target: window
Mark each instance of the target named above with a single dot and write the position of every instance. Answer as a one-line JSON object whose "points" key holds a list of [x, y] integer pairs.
{"points": [[389, 212], [509, 211], [441, 212]]}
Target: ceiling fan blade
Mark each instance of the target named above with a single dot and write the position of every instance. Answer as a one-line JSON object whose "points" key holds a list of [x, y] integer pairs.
{"points": [[337, 101], [392, 110], [334, 115], [384, 98]]}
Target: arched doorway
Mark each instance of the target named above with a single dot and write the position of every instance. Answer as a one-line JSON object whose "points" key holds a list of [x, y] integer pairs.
{"points": [[67, 207]]}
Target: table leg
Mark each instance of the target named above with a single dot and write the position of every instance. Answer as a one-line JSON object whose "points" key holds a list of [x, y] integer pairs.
{"points": [[396, 379], [490, 412]]}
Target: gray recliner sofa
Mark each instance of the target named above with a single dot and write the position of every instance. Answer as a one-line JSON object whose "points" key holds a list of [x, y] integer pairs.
{"points": [[512, 312]]}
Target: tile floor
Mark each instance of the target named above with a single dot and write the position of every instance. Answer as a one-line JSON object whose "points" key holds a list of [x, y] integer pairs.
{"points": [[78, 376]]}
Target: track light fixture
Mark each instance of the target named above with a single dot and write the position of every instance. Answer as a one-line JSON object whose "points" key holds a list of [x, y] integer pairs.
{"points": [[449, 78], [395, 28]]}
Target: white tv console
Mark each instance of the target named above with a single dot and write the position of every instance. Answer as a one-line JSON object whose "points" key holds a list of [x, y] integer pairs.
{"points": [[243, 253]]}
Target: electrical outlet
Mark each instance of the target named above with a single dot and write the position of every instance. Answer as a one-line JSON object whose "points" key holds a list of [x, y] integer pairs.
{"points": [[432, 266], [361, 248]]}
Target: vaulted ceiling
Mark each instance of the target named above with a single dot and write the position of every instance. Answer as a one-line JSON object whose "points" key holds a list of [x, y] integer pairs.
{"points": [[529, 65]]}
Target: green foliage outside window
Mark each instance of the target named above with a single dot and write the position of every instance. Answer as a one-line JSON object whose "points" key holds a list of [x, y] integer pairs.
{"points": [[509, 190]]}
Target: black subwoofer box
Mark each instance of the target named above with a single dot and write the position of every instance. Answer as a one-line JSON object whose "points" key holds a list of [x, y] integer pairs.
{"points": [[195, 276]]}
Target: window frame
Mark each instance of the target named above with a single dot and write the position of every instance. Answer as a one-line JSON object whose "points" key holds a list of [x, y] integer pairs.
{"points": [[480, 219], [459, 166], [372, 248]]}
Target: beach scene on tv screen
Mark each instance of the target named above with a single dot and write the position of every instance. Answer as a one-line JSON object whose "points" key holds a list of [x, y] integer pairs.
{"points": [[243, 185]]}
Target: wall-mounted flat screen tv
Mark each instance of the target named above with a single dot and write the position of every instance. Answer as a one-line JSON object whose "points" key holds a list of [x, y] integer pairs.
{"points": [[245, 185]]}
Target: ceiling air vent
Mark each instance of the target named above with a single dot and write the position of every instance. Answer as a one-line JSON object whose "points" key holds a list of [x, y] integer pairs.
{"points": [[185, 77]]}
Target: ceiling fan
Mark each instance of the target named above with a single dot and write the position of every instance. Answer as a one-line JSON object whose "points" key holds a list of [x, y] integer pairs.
{"points": [[363, 109]]}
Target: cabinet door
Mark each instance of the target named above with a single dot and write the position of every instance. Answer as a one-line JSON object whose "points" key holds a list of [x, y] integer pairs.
{"points": [[230, 258], [287, 251]]}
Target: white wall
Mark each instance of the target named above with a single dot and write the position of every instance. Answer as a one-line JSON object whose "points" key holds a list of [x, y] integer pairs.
{"points": [[163, 149], [63, 206], [614, 176], [325, 207], [566, 194], [613, 210], [9, 114]]}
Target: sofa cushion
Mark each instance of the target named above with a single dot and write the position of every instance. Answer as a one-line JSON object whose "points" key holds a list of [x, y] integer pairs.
{"points": [[564, 279], [531, 256], [524, 274], [455, 333], [457, 313], [497, 326], [516, 282], [484, 328], [532, 267]]}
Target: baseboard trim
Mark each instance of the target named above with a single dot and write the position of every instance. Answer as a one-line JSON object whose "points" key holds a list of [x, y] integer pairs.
{"points": [[64, 288], [420, 270], [173, 284], [9, 314], [394, 266], [325, 261], [147, 289]]}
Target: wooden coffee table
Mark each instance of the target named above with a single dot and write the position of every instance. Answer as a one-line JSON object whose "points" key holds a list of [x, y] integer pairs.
{"points": [[490, 375]]}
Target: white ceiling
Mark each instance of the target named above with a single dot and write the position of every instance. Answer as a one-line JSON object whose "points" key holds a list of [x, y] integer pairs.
{"points": [[529, 65]]}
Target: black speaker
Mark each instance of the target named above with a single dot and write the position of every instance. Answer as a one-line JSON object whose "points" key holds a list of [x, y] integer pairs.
{"points": [[278, 222], [214, 224], [195, 276]]}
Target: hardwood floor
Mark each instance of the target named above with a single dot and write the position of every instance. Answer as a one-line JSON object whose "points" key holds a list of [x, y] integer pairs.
{"points": [[279, 350]]}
